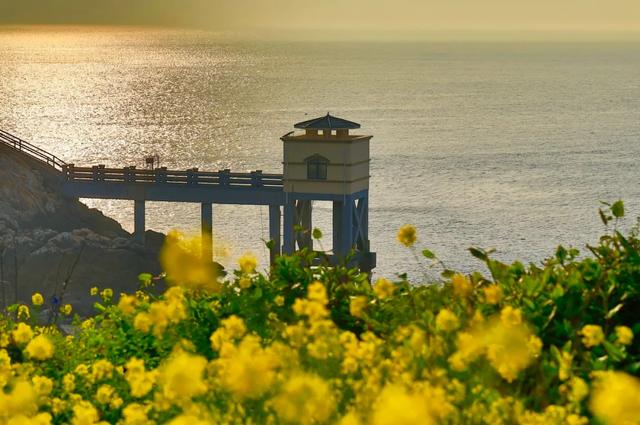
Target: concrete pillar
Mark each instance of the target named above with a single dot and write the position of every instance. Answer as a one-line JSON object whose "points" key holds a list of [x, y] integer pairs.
{"points": [[274, 231], [288, 227], [303, 218], [346, 226], [337, 220], [365, 222], [139, 221], [206, 210]]}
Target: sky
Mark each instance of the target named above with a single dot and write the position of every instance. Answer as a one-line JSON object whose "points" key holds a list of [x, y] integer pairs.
{"points": [[318, 16]]}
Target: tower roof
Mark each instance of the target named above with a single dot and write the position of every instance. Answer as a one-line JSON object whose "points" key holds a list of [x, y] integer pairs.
{"points": [[328, 122]]}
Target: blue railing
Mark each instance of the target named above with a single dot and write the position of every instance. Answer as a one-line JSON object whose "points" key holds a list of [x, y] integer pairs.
{"points": [[192, 177]]}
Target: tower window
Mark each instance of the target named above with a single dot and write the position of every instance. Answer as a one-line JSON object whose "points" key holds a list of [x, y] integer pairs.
{"points": [[317, 167]]}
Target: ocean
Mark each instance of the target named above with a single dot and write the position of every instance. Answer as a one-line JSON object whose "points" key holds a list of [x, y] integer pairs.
{"points": [[504, 145]]}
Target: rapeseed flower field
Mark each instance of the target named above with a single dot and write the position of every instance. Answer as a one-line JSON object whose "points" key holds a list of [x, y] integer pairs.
{"points": [[555, 343]]}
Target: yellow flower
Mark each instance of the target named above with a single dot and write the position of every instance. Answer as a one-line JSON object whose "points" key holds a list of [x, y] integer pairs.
{"points": [[358, 305], [66, 309], [106, 294], [183, 262], [447, 321], [181, 376], [37, 299], [22, 334], [69, 382], [185, 419], [234, 326], [248, 371], [101, 369], [304, 399], [624, 335], [318, 293], [87, 324], [136, 414], [511, 316], [23, 312], [592, 335], [42, 385], [84, 413], [104, 394], [565, 365], [248, 263], [244, 282], [511, 347], [407, 235], [384, 288], [579, 390], [22, 400], [142, 322], [350, 419], [93, 290], [279, 300], [616, 398], [127, 303], [39, 348], [140, 381], [461, 286], [395, 406], [493, 294]]}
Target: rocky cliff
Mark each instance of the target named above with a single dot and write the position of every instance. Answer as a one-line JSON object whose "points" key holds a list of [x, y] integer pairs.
{"points": [[47, 240]]}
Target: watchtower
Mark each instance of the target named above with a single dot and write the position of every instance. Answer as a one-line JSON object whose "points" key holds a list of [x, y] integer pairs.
{"points": [[327, 163]]}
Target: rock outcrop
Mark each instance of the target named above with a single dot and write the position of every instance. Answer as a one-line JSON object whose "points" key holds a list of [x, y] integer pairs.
{"points": [[47, 240]]}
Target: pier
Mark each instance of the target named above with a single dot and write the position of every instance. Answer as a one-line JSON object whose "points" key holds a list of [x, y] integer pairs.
{"points": [[288, 195]]}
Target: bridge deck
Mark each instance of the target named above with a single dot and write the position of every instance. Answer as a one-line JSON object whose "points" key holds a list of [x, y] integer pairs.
{"points": [[129, 183], [220, 187]]}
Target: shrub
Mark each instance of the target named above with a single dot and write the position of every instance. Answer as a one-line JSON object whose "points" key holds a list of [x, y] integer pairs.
{"points": [[549, 344]]}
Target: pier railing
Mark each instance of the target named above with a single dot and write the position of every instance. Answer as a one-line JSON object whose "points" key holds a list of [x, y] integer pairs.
{"points": [[31, 150], [192, 177]]}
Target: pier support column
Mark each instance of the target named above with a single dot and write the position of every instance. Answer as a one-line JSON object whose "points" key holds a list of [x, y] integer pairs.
{"points": [[288, 224], [206, 210], [343, 226], [304, 221], [274, 232], [139, 221]]}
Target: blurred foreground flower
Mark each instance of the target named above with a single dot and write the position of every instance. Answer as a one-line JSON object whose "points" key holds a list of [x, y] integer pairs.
{"points": [[384, 288], [182, 261], [616, 398], [40, 348]]}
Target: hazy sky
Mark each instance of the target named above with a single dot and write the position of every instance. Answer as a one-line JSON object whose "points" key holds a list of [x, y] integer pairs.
{"points": [[342, 15]]}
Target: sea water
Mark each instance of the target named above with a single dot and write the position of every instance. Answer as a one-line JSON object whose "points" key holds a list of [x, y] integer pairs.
{"points": [[505, 145]]}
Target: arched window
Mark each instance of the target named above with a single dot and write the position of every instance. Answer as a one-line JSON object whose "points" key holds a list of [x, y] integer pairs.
{"points": [[317, 167]]}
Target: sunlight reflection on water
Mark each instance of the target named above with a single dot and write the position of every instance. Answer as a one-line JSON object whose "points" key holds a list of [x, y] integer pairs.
{"points": [[497, 145]]}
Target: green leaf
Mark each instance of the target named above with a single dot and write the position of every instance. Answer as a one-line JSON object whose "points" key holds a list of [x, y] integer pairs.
{"points": [[614, 352], [448, 274], [257, 294], [557, 292], [479, 253], [429, 254], [145, 277], [617, 209], [614, 311], [561, 253], [317, 233], [605, 218]]}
